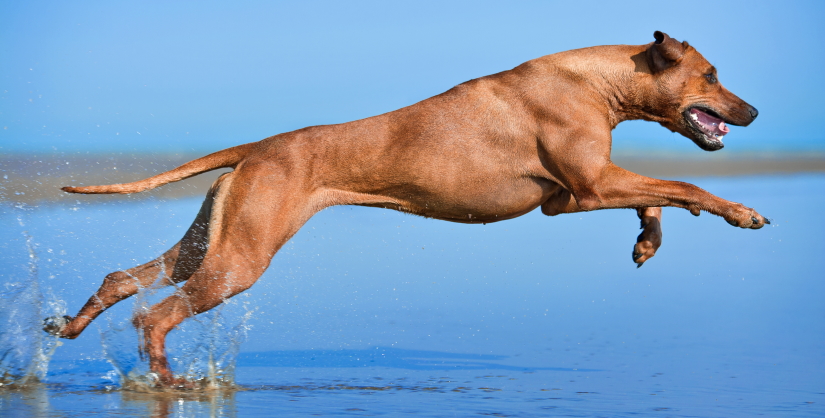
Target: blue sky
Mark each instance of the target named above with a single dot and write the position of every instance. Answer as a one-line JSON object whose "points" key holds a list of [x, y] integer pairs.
{"points": [[201, 76]]}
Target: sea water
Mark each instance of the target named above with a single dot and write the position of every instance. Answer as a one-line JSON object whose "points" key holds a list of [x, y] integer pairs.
{"points": [[373, 312]]}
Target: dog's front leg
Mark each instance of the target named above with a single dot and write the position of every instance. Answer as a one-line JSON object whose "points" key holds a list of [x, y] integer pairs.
{"points": [[562, 201], [651, 237], [614, 187]]}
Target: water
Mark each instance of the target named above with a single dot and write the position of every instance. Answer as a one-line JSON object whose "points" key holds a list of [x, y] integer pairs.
{"points": [[25, 352], [372, 312]]}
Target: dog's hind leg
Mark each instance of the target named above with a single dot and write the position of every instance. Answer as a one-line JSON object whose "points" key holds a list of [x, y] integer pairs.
{"points": [[174, 266], [251, 220]]}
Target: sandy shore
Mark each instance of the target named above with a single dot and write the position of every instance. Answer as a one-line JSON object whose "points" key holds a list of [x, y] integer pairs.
{"points": [[37, 179]]}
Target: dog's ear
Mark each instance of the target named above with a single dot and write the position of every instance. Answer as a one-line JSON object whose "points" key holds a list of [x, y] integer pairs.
{"points": [[664, 53]]}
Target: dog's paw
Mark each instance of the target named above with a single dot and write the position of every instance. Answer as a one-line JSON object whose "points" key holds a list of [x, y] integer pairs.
{"points": [[648, 241], [745, 217], [55, 324], [643, 251]]}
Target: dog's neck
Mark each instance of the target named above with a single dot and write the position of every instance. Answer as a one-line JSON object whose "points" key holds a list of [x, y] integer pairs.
{"points": [[621, 79]]}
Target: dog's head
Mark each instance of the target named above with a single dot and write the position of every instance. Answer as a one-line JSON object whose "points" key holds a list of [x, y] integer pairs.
{"points": [[689, 98]]}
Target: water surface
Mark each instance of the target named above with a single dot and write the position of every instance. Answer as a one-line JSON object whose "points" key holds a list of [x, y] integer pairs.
{"points": [[372, 312]]}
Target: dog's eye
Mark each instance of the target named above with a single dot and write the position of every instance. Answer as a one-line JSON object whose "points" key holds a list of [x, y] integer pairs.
{"points": [[711, 78]]}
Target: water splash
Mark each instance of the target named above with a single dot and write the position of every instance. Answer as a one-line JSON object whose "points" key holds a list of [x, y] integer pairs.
{"points": [[217, 340], [25, 350], [203, 350]]}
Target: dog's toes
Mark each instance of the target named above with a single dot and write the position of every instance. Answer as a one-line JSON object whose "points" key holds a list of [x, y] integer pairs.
{"points": [[759, 223], [642, 254], [640, 259], [646, 245], [54, 324], [744, 217]]}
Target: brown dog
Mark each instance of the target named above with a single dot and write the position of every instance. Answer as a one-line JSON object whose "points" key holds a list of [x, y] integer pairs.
{"points": [[489, 149]]}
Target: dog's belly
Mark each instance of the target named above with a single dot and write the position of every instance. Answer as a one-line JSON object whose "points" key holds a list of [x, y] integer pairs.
{"points": [[488, 204]]}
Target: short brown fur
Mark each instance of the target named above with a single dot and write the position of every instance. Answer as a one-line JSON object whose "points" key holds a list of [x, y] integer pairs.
{"points": [[490, 149]]}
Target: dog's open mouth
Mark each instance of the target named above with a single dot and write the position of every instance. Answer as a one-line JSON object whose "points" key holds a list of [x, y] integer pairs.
{"points": [[708, 123]]}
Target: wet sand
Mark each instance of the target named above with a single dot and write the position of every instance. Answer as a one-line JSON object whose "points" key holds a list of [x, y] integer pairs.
{"points": [[35, 179]]}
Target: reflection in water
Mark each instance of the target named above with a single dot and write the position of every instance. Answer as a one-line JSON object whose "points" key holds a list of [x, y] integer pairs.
{"points": [[31, 399], [218, 403], [41, 399]]}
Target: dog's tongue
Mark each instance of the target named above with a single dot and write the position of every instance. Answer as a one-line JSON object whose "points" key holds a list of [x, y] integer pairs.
{"points": [[712, 124]]}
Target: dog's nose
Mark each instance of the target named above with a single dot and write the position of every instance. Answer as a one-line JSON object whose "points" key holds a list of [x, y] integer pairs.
{"points": [[754, 113]]}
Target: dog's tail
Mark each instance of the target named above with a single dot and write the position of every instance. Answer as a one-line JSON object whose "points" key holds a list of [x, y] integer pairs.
{"points": [[229, 157]]}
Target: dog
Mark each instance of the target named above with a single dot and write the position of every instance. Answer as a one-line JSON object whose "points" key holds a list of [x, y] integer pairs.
{"points": [[487, 150]]}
